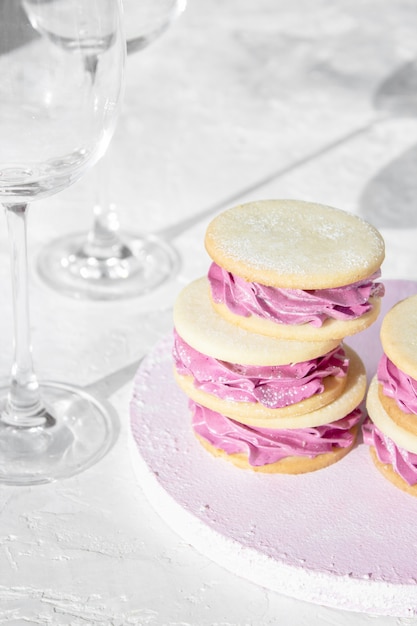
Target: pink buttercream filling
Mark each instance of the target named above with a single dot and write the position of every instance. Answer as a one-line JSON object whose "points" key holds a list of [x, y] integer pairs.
{"points": [[292, 306], [397, 385], [267, 445], [273, 386], [403, 462]]}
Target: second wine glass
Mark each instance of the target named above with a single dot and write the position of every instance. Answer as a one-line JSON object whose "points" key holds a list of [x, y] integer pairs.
{"points": [[107, 262]]}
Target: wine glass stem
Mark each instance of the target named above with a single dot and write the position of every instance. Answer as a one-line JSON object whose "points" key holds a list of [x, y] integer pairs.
{"points": [[103, 240], [24, 408], [103, 235]]}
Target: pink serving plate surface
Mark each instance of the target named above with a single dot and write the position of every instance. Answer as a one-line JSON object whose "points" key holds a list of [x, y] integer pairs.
{"points": [[342, 536]]}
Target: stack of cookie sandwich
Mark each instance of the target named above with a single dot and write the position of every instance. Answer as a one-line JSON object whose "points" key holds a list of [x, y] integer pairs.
{"points": [[258, 343], [391, 429]]}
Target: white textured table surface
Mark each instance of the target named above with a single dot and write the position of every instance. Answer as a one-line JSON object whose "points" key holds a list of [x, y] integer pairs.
{"points": [[239, 100]]}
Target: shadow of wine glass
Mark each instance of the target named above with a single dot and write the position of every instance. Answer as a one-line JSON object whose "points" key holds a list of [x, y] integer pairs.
{"points": [[397, 94], [389, 199], [13, 12], [109, 384], [112, 382]]}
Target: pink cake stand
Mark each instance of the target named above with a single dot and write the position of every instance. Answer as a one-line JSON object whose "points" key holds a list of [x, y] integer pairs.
{"points": [[342, 537]]}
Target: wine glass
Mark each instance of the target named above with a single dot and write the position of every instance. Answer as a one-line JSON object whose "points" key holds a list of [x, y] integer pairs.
{"points": [[107, 263], [55, 123]]}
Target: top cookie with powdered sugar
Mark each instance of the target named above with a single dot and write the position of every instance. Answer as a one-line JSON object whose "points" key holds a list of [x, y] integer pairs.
{"points": [[294, 244]]}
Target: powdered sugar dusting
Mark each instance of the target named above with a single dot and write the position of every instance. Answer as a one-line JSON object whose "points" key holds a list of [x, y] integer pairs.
{"points": [[294, 238]]}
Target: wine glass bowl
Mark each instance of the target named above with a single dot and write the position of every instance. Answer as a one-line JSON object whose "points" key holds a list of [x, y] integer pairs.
{"points": [[55, 122], [68, 123], [108, 262], [72, 31]]}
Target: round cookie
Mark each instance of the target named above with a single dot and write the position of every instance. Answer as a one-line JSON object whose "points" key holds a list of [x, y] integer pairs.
{"points": [[318, 410], [295, 245], [407, 421], [400, 436], [398, 332], [208, 332], [399, 335], [331, 330], [390, 474], [288, 465], [257, 414]]}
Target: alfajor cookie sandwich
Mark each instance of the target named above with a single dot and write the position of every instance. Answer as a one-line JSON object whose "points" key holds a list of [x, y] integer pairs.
{"points": [[264, 403], [391, 430], [295, 270]]}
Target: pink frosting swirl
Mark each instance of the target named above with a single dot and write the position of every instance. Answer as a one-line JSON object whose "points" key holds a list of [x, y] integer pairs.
{"points": [[267, 445], [273, 386], [403, 462], [397, 385], [292, 306]]}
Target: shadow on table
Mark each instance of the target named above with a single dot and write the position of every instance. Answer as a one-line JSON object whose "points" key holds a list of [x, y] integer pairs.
{"points": [[177, 229], [389, 200], [396, 96], [12, 11], [108, 385]]}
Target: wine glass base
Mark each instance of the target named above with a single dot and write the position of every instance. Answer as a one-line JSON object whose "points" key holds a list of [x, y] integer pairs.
{"points": [[146, 263], [84, 431]]}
